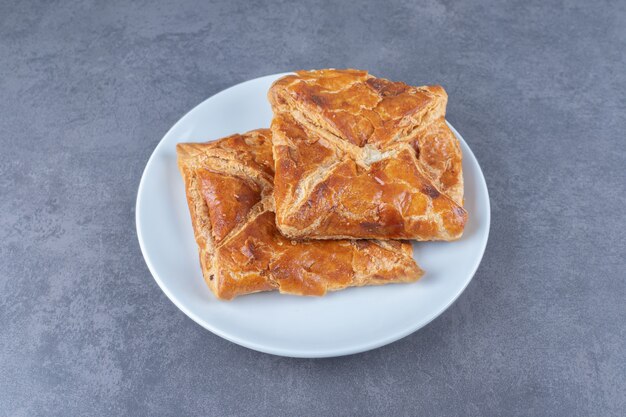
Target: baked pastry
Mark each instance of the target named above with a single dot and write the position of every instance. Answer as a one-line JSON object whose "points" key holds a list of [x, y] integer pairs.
{"points": [[363, 157], [229, 191]]}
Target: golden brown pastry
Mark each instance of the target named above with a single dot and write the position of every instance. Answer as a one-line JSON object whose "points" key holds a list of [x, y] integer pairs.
{"points": [[363, 157], [229, 190]]}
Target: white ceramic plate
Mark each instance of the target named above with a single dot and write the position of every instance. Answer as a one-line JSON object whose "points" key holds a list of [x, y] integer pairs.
{"points": [[341, 323]]}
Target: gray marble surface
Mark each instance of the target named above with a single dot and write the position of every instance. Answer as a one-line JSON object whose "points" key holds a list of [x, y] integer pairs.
{"points": [[87, 89]]}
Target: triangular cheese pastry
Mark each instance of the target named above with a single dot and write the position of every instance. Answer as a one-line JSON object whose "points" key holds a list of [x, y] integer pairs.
{"points": [[229, 191], [363, 157]]}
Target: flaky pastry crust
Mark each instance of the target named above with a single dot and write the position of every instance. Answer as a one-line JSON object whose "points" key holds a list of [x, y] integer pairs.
{"points": [[363, 157], [229, 186]]}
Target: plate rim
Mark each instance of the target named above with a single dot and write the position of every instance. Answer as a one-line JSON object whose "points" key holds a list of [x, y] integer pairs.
{"points": [[327, 353]]}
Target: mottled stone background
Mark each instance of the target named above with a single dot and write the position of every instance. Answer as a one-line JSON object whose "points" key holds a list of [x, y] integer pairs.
{"points": [[87, 90]]}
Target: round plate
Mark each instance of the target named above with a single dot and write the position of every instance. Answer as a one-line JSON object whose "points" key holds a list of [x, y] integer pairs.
{"points": [[340, 323]]}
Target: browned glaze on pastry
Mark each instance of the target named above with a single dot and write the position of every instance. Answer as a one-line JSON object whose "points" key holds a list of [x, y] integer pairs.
{"points": [[363, 157], [229, 191]]}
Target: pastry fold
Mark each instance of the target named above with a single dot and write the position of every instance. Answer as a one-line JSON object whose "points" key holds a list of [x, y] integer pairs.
{"points": [[360, 157], [229, 184]]}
